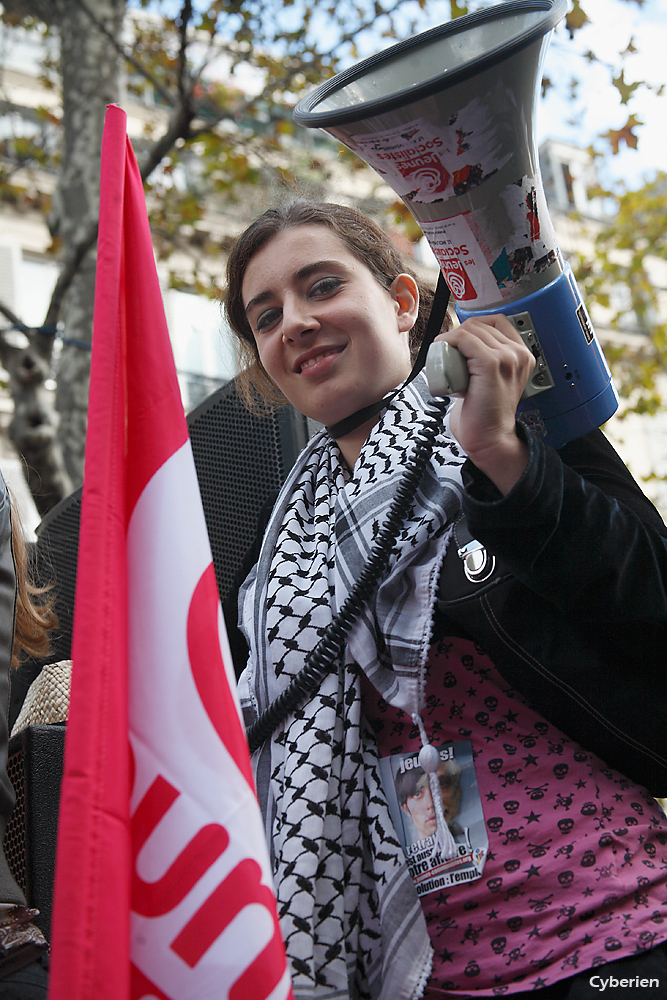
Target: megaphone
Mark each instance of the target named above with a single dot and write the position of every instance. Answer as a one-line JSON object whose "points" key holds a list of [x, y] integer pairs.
{"points": [[447, 120]]}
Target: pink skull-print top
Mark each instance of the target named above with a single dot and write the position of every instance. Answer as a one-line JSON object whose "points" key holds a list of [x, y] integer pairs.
{"points": [[577, 866]]}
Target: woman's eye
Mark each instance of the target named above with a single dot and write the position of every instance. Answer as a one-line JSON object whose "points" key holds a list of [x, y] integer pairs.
{"points": [[267, 319], [325, 286]]}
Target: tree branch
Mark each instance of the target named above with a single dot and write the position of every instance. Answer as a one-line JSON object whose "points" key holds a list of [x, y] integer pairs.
{"points": [[214, 49], [179, 128], [13, 318], [69, 269], [184, 91], [126, 54], [44, 10]]}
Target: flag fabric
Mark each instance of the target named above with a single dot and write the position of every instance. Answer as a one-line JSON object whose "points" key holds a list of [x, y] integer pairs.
{"points": [[163, 883]]}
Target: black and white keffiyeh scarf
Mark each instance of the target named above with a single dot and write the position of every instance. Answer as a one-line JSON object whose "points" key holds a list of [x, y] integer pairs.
{"points": [[350, 916]]}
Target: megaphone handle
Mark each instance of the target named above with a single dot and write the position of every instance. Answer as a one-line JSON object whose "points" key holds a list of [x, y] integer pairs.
{"points": [[447, 369]]}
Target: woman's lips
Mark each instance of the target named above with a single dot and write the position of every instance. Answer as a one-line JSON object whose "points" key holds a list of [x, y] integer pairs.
{"points": [[320, 363]]}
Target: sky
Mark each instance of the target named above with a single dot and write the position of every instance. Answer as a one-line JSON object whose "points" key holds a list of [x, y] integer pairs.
{"points": [[598, 108]]}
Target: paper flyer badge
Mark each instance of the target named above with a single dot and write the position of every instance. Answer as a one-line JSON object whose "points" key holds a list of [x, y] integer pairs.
{"points": [[532, 245], [461, 259], [481, 270], [411, 806], [427, 162]]}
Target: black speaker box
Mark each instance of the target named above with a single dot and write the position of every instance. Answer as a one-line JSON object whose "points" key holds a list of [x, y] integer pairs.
{"points": [[241, 459], [35, 765]]}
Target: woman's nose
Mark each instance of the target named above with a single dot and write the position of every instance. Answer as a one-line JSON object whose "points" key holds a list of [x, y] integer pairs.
{"points": [[298, 319]]}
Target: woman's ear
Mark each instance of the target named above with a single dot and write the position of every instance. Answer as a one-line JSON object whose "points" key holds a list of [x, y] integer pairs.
{"points": [[405, 293]]}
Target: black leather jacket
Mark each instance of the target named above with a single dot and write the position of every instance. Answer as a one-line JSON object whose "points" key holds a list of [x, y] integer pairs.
{"points": [[567, 594], [568, 598]]}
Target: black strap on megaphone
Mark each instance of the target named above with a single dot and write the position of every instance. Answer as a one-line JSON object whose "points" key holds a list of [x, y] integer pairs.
{"points": [[435, 320]]}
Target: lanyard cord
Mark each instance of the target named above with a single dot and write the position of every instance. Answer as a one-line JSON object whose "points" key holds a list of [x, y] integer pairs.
{"points": [[433, 327]]}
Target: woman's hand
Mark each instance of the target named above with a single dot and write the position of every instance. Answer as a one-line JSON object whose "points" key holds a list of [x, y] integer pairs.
{"points": [[483, 422]]}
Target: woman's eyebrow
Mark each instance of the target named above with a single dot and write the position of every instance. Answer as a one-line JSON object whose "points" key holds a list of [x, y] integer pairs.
{"points": [[303, 273], [308, 269], [258, 300]]}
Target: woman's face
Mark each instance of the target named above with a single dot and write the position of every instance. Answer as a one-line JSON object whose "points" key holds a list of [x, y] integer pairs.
{"points": [[329, 335], [419, 805]]}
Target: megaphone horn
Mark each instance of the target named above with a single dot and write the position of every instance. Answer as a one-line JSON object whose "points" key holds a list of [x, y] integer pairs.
{"points": [[447, 120]]}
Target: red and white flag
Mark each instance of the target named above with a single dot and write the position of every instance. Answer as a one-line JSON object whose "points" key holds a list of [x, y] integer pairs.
{"points": [[163, 883]]}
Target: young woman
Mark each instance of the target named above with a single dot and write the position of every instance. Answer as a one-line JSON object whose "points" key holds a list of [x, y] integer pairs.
{"points": [[518, 630]]}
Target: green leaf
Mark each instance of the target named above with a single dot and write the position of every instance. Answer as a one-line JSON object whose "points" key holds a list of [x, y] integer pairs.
{"points": [[576, 18], [625, 134], [626, 90]]}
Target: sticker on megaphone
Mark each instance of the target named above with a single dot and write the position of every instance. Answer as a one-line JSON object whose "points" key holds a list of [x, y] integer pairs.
{"points": [[447, 369]]}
